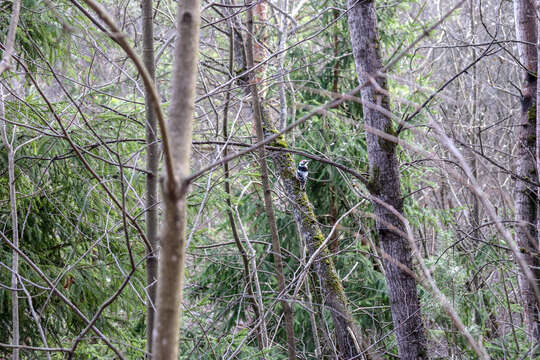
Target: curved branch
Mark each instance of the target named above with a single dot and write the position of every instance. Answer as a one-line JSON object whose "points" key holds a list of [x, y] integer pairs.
{"points": [[120, 38]]}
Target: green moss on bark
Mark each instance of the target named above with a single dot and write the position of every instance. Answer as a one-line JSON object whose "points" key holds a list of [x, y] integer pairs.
{"points": [[531, 140], [385, 144], [333, 282], [373, 184], [532, 114]]}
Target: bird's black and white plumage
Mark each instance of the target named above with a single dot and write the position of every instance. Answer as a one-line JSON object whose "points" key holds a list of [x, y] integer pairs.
{"points": [[302, 173]]}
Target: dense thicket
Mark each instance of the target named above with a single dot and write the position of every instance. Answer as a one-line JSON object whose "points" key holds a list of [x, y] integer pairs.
{"points": [[416, 234]]}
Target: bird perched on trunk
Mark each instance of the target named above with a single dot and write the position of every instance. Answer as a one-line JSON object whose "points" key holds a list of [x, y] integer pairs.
{"points": [[302, 173]]}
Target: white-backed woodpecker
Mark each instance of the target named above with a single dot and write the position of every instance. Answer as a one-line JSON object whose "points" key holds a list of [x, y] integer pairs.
{"points": [[302, 173]]}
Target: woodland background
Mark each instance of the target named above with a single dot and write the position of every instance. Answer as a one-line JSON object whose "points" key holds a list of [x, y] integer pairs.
{"points": [[81, 163]]}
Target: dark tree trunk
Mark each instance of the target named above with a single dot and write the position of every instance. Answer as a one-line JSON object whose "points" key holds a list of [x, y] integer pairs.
{"points": [[525, 196], [385, 184], [152, 160]]}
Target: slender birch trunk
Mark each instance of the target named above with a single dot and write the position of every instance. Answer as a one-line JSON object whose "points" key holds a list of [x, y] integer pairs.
{"points": [[4, 65], [173, 234], [385, 185], [152, 160], [15, 338]]}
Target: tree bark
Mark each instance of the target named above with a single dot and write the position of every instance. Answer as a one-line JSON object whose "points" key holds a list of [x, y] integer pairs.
{"points": [[15, 336], [152, 160], [349, 340], [227, 188], [525, 196], [268, 205], [173, 234], [385, 185], [4, 65], [258, 298], [350, 343]]}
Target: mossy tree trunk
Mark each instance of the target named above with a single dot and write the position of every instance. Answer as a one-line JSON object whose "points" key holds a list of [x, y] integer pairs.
{"points": [[385, 185], [348, 338], [268, 205]]}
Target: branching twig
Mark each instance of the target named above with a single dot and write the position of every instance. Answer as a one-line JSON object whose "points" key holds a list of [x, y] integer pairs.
{"points": [[120, 38]]}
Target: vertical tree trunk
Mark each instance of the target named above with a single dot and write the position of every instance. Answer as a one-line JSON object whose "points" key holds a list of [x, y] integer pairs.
{"points": [[15, 229], [350, 343], [268, 205], [258, 298], [152, 159], [15, 257], [4, 65], [172, 250], [475, 125], [525, 196], [227, 188], [349, 340], [385, 185]]}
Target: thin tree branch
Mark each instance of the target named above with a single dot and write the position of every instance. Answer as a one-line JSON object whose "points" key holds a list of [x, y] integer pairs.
{"points": [[119, 37]]}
